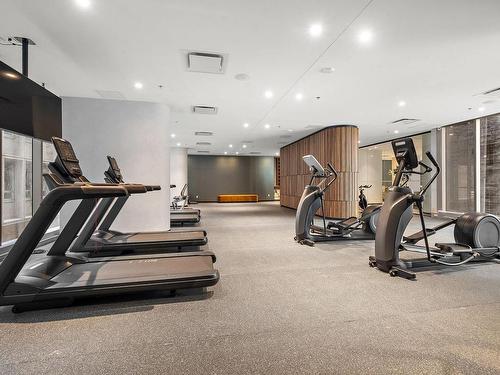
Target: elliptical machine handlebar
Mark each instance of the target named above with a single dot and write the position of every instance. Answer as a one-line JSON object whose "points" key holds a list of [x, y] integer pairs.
{"points": [[438, 170]]}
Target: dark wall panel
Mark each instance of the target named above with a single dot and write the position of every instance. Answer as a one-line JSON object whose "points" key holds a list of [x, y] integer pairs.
{"points": [[209, 176]]}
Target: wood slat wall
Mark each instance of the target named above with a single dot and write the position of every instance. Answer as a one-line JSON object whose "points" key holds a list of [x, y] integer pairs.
{"points": [[337, 145]]}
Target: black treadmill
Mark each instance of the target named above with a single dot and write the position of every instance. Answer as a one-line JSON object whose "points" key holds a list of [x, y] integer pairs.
{"points": [[32, 277], [96, 238], [178, 217], [176, 209]]}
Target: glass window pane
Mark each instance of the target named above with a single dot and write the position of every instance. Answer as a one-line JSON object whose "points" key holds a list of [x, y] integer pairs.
{"points": [[17, 184], [490, 164], [460, 167]]}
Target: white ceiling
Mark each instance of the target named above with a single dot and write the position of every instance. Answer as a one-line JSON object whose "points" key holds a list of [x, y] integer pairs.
{"points": [[434, 55]]}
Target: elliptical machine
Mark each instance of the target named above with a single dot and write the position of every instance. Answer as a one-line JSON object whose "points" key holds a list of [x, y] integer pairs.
{"points": [[477, 235], [351, 228]]}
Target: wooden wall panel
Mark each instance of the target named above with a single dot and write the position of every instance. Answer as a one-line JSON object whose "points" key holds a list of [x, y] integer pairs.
{"points": [[337, 145]]}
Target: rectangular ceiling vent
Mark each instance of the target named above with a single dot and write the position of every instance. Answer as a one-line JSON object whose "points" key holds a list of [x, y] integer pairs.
{"points": [[255, 153], [109, 94], [203, 152], [204, 134], [203, 144], [204, 110], [492, 93], [203, 62], [405, 121]]}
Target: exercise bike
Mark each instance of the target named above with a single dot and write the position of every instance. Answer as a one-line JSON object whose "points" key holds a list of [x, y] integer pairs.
{"points": [[352, 228], [477, 235]]}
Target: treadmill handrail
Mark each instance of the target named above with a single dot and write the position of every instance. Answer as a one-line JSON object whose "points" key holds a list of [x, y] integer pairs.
{"points": [[41, 220]]}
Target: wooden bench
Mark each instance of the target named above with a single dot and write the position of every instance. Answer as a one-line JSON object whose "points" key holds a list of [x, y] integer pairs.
{"points": [[231, 198]]}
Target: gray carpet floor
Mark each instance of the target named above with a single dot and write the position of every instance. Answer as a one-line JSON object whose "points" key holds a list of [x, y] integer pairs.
{"points": [[279, 308]]}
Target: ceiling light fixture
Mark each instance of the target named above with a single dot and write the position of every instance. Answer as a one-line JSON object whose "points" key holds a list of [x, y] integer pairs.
{"points": [[178, 144], [85, 4], [245, 125], [481, 109], [365, 36], [138, 85], [244, 146], [396, 131], [327, 70], [402, 103], [267, 126], [237, 153], [10, 75], [299, 96], [230, 146], [268, 94], [225, 152], [172, 135], [315, 30], [277, 153]]}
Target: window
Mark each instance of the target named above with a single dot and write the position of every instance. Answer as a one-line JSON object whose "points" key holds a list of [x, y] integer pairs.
{"points": [[460, 167], [490, 164], [17, 184]]}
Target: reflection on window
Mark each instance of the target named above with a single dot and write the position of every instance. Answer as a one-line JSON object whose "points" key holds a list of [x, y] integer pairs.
{"points": [[460, 167], [17, 184]]}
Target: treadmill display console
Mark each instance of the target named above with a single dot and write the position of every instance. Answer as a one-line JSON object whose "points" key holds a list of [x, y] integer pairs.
{"points": [[114, 170], [67, 157]]}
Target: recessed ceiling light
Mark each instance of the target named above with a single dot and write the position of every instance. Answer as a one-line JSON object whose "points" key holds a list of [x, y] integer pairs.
{"points": [[83, 3], [402, 103], [359, 141], [396, 131], [242, 77], [365, 36], [268, 94], [138, 85], [237, 153], [315, 30], [178, 144], [172, 135], [290, 130], [225, 152], [299, 96], [481, 109], [267, 126], [10, 75], [277, 153], [327, 69], [244, 146], [245, 125], [230, 146]]}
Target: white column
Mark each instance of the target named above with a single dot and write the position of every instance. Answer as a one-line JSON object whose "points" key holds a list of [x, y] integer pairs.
{"points": [[137, 135]]}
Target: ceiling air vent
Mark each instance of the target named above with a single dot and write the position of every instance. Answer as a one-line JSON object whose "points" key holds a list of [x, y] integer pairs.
{"points": [[203, 152], [203, 62], [492, 93], [204, 110], [204, 134], [255, 153], [404, 121], [203, 144], [108, 94]]}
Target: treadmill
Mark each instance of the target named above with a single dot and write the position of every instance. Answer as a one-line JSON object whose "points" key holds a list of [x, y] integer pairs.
{"points": [[32, 277], [96, 238], [178, 217], [176, 209]]}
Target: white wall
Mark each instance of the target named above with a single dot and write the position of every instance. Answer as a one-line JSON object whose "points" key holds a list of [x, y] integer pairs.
{"points": [[370, 173], [178, 169], [137, 134]]}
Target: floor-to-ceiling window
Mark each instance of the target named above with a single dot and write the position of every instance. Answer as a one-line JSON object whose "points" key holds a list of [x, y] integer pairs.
{"points": [[490, 164], [459, 145], [17, 184]]}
